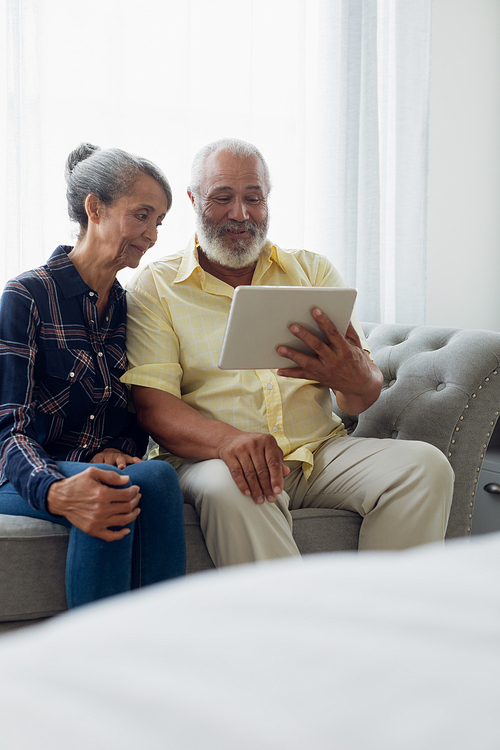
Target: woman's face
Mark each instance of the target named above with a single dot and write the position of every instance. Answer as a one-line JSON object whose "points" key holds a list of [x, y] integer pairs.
{"points": [[129, 227]]}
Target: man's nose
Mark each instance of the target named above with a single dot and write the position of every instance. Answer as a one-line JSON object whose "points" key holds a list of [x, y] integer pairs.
{"points": [[237, 210]]}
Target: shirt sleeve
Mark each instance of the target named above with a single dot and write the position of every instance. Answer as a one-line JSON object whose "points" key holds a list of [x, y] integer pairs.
{"points": [[152, 344], [23, 460]]}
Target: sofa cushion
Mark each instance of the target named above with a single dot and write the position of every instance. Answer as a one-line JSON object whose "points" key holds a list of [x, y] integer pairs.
{"points": [[33, 555]]}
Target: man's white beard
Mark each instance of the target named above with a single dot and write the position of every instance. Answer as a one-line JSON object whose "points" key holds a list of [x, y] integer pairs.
{"points": [[242, 253]]}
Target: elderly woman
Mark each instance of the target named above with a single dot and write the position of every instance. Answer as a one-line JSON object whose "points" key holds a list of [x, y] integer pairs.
{"points": [[69, 447]]}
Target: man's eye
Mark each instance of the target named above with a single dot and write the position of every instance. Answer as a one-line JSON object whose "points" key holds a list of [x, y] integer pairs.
{"points": [[142, 217]]}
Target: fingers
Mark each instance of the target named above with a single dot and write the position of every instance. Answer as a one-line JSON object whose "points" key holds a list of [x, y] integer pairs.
{"points": [[104, 476], [95, 500], [256, 465], [252, 479], [122, 460], [336, 341], [105, 527], [257, 477], [114, 457], [329, 357], [109, 535], [352, 335], [127, 460], [102, 458]]}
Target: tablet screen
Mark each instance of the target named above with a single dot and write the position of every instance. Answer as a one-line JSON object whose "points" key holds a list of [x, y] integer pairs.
{"points": [[260, 318]]}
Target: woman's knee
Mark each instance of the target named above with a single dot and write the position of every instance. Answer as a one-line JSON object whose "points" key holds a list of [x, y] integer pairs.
{"points": [[154, 469], [70, 468], [157, 478]]}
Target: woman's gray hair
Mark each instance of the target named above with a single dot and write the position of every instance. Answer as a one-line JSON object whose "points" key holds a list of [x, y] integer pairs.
{"points": [[109, 174], [236, 147]]}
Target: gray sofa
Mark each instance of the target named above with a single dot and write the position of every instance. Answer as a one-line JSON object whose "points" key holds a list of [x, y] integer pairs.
{"points": [[441, 385]]}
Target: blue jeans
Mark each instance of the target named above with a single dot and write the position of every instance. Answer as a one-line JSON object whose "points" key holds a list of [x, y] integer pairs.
{"points": [[155, 549]]}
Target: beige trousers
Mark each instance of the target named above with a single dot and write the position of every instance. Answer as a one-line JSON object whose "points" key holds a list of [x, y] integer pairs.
{"points": [[402, 489]]}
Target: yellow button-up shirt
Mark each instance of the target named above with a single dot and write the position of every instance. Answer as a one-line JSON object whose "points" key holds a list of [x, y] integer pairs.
{"points": [[177, 315]]}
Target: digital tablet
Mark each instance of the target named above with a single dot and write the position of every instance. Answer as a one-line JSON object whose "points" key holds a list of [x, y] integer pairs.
{"points": [[260, 318]]}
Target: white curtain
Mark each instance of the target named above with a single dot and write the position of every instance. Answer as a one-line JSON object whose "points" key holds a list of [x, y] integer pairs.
{"points": [[371, 155], [334, 92]]}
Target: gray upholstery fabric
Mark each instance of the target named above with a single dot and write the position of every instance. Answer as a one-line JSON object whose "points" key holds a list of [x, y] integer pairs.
{"points": [[32, 565], [441, 385]]}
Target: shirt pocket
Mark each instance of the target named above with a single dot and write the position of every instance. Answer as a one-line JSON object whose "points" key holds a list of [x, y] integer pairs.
{"points": [[67, 374], [117, 363], [117, 359]]}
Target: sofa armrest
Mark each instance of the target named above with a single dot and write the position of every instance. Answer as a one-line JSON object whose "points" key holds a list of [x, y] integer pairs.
{"points": [[442, 386]]}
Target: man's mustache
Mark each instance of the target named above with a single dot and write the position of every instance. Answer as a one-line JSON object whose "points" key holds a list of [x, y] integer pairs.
{"points": [[237, 226]]}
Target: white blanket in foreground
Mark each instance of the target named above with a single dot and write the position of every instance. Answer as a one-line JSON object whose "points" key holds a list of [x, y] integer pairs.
{"points": [[372, 651]]}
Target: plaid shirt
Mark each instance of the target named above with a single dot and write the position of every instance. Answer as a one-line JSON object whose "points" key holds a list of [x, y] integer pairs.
{"points": [[60, 391]]}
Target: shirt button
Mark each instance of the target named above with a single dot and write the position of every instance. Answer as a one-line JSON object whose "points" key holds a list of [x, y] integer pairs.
{"points": [[91, 294], [72, 374], [275, 429], [85, 446], [92, 416], [100, 354], [270, 386]]}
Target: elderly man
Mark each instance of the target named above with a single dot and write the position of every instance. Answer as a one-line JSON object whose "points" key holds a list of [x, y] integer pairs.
{"points": [[249, 446]]}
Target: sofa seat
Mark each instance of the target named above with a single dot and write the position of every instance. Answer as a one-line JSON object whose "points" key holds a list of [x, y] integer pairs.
{"points": [[33, 555]]}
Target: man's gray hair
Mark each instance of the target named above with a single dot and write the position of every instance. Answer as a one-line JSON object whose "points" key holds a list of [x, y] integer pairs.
{"points": [[109, 174], [236, 147]]}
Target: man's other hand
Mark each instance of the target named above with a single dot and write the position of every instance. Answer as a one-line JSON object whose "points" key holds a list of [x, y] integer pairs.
{"points": [[256, 465]]}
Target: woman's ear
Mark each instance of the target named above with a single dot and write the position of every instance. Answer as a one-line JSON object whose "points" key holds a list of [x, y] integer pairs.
{"points": [[93, 208]]}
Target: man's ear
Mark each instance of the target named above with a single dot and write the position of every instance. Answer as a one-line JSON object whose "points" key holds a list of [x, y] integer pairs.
{"points": [[191, 197], [93, 208]]}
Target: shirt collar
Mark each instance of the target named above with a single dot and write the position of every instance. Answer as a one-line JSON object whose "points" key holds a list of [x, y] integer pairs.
{"points": [[270, 254], [69, 280], [190, 262]]}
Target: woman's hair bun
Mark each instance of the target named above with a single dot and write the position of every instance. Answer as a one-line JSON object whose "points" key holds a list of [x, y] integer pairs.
{"points": [[80, 153]]}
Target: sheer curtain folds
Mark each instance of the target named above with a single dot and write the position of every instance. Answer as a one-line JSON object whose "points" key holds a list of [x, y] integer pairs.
{"points": [[374, 164], [334, 92]]}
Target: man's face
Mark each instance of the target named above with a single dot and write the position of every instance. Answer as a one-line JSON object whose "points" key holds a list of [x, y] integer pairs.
{"points": [[231, 210]]}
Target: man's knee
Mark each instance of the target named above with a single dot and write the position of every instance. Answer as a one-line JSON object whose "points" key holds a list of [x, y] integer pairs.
{"points": [[209, 481], [209, 486], [432, 461]]}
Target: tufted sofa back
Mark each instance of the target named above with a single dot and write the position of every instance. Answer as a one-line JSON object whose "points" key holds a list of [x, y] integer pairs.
{"points": [[441, 385]]}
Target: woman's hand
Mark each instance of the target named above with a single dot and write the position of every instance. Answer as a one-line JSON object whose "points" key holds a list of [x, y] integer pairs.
{"points": [[114, 457], [92, 501]]}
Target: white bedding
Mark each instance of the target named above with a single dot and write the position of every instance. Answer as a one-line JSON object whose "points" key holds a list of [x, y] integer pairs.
{"points": [[376, 651]]}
